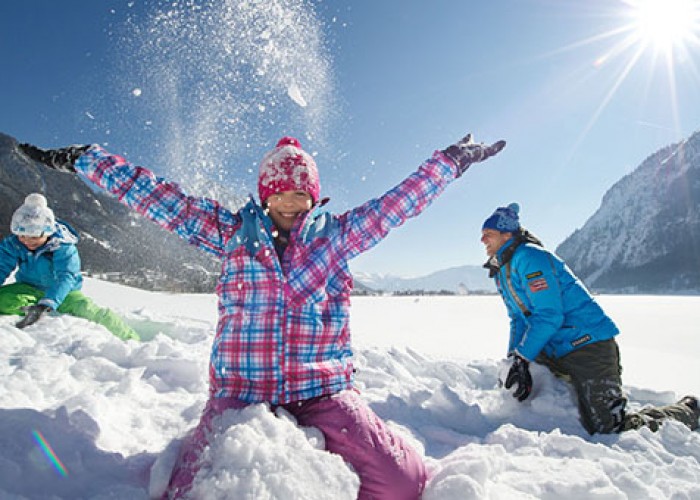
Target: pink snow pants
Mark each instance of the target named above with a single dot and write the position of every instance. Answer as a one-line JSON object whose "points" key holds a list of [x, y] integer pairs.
{"points": [[389, 469]]}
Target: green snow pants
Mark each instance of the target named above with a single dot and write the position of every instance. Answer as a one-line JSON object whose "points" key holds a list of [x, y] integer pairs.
{"points": [[594, 371], [15, 296]]}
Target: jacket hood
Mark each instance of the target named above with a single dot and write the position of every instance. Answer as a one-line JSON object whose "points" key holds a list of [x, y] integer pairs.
{"points": [[64, 234], [505, 253]]}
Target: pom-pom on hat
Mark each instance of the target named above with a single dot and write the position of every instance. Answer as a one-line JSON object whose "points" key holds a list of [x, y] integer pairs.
{"points": [[34, 218], [504, 219], [288, 168]]}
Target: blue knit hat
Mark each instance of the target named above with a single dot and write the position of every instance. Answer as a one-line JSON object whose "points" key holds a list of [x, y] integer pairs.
{"points": [[504, 219]]}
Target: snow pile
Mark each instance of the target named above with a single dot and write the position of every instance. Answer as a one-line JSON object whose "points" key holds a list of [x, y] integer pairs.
{"points": [[111, 414]]}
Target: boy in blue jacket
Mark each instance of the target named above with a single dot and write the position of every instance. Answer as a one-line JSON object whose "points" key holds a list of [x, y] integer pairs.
{"points": [[555, 321], [48, 278]]}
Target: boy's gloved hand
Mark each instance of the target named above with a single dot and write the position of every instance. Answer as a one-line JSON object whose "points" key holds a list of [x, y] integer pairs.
{"points": [[519, 373], [466, 151], [62, 159], [32, 315]]}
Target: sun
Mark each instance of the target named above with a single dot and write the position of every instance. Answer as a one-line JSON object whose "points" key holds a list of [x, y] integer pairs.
{"points": [[655, 44], [665, 24]]}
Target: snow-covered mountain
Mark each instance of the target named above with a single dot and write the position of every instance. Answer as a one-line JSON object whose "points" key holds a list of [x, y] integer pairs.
{"points": [[645, 237], [462, 280], [116, 243]]}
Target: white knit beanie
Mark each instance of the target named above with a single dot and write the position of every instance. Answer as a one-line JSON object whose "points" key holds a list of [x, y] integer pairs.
{"points": [[33, 218]]}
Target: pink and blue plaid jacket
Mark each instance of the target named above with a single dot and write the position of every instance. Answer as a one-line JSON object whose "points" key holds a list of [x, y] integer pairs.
{"points": [[283, 333]]}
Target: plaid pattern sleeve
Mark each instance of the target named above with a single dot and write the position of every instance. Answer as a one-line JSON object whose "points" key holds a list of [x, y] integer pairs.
{"points": [[368, 224], [201, 221]]}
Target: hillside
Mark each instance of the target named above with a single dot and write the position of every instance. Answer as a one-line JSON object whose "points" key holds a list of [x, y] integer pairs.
{"points": [[645, 237]]}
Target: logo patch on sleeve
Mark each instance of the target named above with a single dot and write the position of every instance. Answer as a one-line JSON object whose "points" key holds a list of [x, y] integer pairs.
{"points": [[536, 274], [537, 285], [580, 340]]}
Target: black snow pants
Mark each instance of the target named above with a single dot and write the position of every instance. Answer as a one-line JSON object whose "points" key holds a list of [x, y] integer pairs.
{"points": [[595, 373]]}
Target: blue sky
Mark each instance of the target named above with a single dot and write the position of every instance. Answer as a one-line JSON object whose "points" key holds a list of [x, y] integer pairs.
{"points": [[371, 88]]}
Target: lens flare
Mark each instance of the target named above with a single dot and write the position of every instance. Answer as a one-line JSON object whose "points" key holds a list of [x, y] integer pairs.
{"points": [[48, 452]]}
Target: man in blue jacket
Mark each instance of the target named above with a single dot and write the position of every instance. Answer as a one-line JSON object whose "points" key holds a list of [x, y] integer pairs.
{"points": [[555, 321]]}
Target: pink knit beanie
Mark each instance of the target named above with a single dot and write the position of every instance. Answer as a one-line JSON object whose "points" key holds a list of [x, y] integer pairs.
{"points": [[288, 168]]}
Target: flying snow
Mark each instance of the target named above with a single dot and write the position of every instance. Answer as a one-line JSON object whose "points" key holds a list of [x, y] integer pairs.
{"points": [[218, 74], [295, 95]]}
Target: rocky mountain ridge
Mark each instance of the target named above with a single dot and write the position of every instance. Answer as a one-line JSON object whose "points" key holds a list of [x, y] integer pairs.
{"points": [[645, 237]]}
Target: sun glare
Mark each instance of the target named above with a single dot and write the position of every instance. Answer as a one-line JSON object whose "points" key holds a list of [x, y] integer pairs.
{"points": [[655, 43], [665, 23]]}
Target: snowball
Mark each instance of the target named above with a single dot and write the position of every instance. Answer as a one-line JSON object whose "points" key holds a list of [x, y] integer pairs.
{"points": [[295, 95]]}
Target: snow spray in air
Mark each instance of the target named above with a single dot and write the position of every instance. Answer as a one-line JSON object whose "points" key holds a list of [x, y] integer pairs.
{"points": [[217, 80]]}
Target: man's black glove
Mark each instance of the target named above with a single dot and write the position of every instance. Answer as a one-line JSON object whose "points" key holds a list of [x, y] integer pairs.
{"points": [[519, 373], [32, 314], [62, 159], [466, 152]]}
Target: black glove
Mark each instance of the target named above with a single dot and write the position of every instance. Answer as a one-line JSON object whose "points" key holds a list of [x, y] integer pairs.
{"points": [[519, 373], [466, 152], [62, 159], [32, 314]]}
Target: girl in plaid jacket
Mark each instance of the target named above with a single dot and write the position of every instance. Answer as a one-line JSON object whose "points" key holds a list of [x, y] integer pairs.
{"points": [[284, 293]]}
